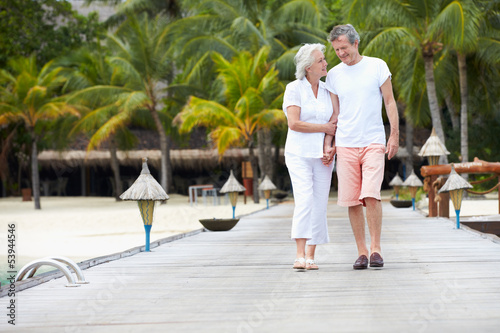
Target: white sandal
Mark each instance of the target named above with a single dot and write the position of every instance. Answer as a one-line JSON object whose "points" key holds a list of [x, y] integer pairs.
{"points": [[299, 263], [311, 265]]}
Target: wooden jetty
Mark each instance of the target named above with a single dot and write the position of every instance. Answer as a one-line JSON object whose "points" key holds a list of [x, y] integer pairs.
{"points": [[436, 279]]}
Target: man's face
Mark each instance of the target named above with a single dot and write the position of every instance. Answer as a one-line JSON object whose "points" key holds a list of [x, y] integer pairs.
{"points": [[346, 51]]}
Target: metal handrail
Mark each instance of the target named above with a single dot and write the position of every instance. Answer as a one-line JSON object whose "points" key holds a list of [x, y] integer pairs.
{"points": [[61, 263]]}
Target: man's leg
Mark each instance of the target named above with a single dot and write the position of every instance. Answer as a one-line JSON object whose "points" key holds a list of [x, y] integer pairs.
{"points": [[374, 219], [357, 218]]}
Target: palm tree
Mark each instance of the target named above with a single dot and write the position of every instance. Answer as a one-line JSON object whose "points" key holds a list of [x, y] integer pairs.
{"points": [[252, 95], [30, 96], [140, 60], [461, 36], [104, 121], [231, 26], [135, 7], [414, 30]]}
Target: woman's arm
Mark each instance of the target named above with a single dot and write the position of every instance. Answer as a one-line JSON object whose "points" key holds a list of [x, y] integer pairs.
{"points": [[295, 124]]}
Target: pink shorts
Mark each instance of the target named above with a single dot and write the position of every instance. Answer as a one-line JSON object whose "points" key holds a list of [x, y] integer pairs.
{"points": [[360, 173]]}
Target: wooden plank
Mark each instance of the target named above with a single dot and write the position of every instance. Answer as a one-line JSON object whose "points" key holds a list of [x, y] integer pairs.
{"points": [[436, 278]]}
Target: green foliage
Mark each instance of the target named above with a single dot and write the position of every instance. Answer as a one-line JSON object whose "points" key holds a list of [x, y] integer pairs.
{"points": [[47, 28], [252, 93]]}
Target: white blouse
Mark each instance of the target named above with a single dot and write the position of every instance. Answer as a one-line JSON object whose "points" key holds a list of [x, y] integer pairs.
{"points": [[312, 110]]}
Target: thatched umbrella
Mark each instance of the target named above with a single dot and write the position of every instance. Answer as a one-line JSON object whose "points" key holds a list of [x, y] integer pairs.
{"points": [[396, 182], [455, 185], [413, 182], [145, 190], [433, 148], [267, 186], [232, 187]]}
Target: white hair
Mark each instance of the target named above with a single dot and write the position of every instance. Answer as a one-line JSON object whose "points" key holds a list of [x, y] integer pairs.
{"points": [[304, 58]]}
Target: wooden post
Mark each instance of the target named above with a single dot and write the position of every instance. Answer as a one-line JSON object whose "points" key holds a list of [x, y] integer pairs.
{"points": [[444, 205], [247, 175], [432, 204]]}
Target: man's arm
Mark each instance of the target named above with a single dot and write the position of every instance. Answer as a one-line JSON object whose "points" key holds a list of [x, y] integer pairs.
{"points": [[392, 113], [329, 142]]}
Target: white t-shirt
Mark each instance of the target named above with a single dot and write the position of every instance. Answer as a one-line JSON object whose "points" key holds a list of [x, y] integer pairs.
{"points": [[312, 110], [358, 88]]}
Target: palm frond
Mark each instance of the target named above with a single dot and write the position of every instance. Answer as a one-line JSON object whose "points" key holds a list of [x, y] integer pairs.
{"points": [[200, 112], [107, 130], [268, 118], [35, 97], [53, 110], [488, 49], [96, 94], [457, 25], [95, 119], [226, 137], [201, 44]]}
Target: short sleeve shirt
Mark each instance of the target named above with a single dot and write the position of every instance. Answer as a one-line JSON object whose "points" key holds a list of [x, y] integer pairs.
{"points": [[360, 100], [312, 110]]}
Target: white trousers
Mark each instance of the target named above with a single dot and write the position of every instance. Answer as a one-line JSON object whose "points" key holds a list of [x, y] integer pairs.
{"points": [[311, 182]]}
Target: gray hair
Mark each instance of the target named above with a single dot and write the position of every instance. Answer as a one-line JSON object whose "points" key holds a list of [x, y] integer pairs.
{"points": [[347, 30], [304, 58]]}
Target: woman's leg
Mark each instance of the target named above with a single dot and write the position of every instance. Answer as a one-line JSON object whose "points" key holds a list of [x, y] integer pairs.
{"points": [[322, 179], [301, 175]]}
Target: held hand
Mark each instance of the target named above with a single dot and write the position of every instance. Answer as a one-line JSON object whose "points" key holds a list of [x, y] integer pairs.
{"points": [[330, 128], [328, 156], [392, 146]]}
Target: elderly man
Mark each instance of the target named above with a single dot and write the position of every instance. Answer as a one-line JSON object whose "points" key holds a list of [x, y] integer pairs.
{"points": [[359, 84]]}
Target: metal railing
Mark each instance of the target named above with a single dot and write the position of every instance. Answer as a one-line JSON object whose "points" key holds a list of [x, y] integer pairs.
{"points": [[61, 263]]}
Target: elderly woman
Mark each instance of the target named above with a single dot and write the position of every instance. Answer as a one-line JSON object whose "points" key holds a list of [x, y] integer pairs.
{"points": [[308, 107]]}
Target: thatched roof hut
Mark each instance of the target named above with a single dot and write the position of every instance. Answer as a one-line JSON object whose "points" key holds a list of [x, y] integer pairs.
{"points": [[190, 159]]}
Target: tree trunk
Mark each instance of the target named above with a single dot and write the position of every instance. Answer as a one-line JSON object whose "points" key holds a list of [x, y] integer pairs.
{"points": [[265, 153], [433, 101], [253, 163], [35, 177], [409, 148], [464, 130], [170, 179], [163, 148], [275, 166], [116, 170], [4, 165], [453, 112]]}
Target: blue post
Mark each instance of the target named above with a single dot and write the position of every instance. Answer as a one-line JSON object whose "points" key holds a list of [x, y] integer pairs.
{"points": [[267, 200], [234, 207], [413, 203], [457, 211], [148, 229]]}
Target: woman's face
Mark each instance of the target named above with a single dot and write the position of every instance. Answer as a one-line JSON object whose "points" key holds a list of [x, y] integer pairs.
{"points": [[318, 68]]}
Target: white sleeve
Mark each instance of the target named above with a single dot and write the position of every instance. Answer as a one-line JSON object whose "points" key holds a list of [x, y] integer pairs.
{"points": [[329, 82], [384, 73], [291, 96]]}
